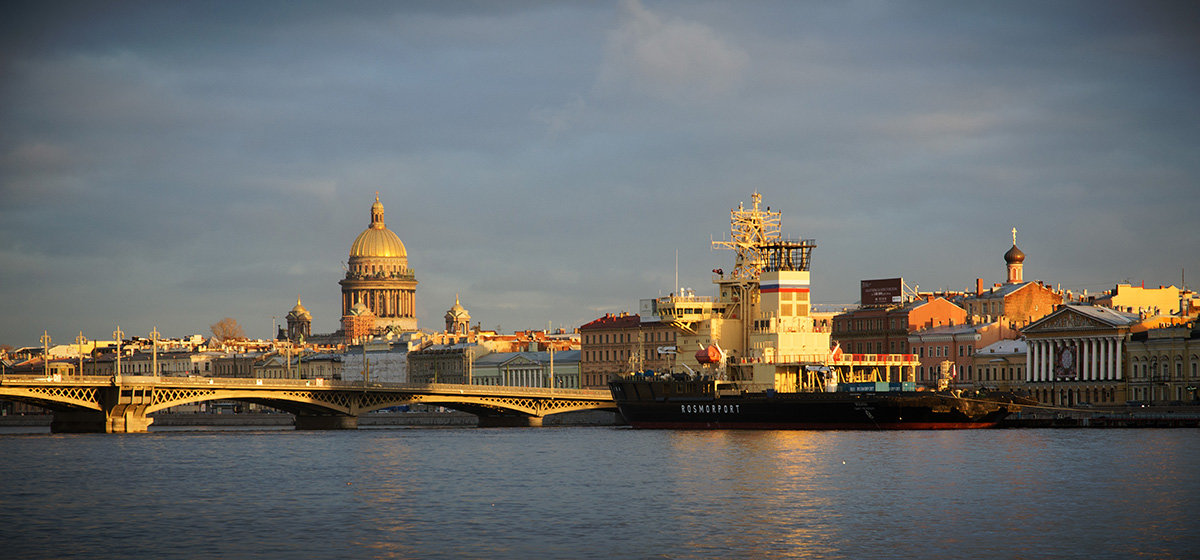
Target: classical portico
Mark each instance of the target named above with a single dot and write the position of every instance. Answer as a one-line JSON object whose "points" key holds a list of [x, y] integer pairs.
{"points": [[1076, 354]]}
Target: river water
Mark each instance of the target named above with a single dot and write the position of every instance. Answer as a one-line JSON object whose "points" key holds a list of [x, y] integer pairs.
{"points": [[601, 492]]}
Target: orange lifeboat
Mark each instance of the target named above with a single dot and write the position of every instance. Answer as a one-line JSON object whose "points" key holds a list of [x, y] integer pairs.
{"points": [[710, 355]]}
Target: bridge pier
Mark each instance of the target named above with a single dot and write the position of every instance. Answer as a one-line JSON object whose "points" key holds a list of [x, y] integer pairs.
{"points": [[99, 422], [510, 421], [326, 422], [122, 411]]}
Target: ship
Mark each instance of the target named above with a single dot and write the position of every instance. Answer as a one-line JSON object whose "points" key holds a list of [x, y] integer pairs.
{"points": [[762, 361]]}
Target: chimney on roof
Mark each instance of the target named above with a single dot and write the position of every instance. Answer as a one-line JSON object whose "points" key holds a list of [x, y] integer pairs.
{"points": [[978, 286]]}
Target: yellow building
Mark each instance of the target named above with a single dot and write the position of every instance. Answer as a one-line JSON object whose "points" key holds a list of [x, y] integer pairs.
{"points": [[1164, 365], [1163, 300], [378, 277]]}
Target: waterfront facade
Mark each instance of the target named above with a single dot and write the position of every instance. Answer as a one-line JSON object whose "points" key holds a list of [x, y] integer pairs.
{"points": [[1164, 365], [378, 278], [618, 344], [1001, 365], [956, 344], [381, 360], [445, 364], [554, 370], [1078, 354]]}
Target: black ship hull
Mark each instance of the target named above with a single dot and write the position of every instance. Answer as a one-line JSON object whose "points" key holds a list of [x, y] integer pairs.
{"points": [[699, 405]]}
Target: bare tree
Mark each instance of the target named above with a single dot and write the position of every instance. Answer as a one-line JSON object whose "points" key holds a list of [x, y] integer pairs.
{"points": [[228, 329]]}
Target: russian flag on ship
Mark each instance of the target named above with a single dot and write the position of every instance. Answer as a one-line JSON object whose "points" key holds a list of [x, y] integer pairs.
{"points": [[783, 285]]}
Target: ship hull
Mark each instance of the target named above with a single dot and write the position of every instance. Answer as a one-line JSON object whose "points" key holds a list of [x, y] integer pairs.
{"points": [[667, 405]]}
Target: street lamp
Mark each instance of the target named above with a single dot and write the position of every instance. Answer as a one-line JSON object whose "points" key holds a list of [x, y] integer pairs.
{"points": [[118, 335], [81, 340], [46, 353], [154, 334]]}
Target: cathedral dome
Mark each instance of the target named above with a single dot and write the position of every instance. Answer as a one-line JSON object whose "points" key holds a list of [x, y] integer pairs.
{"points": [[377, 240]]}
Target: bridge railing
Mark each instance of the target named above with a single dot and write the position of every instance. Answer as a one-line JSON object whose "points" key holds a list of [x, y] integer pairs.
{"points": [[227, 382]]}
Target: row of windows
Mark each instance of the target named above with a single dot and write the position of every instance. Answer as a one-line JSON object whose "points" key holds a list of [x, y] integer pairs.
{"points": [[985, 308], [844, 325], [877, 347], [999, 374], [1073, 396], [1162, 369], [943, 351], [610, 355], [611, 338], [1160, 393]]}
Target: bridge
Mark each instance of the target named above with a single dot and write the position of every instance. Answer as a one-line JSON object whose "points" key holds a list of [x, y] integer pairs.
{"points": [[124, 404]]}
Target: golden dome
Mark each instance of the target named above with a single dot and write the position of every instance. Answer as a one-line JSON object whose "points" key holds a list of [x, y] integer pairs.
{"points": [[458, 310], [299, 312], [377, 240]]}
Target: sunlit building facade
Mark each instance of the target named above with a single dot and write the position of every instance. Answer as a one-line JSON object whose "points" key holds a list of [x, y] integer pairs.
{"points": [[1078, 354]]}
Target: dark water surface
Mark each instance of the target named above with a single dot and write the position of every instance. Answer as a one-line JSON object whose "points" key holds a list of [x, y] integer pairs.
{"points": [[602, 493]]}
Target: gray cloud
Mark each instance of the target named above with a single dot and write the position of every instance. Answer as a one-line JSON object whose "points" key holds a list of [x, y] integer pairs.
{"points": [[171, 164]]}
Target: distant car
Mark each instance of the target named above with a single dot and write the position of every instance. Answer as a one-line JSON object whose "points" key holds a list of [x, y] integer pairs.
{"points": [[1135, 404], [1084, 405]]}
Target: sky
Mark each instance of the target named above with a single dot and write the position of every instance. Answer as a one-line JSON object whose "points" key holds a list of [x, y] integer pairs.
{"points": [[169, 164]]}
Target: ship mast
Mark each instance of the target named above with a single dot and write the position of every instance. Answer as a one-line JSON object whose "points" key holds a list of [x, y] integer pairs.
{"points": [[756, 238], [750, 230]]}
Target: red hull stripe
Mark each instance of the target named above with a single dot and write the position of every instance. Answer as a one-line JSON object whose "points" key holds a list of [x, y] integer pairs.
{"points": [[812, 426]]}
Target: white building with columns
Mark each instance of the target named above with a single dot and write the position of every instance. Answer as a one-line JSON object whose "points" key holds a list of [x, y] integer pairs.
{"points": [[1077, 354]]}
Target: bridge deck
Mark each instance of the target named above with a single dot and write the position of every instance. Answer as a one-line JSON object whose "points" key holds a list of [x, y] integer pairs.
{"points": [[123, 403]]}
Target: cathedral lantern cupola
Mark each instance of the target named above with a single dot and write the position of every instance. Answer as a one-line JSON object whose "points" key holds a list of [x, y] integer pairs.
{"points": [[458, 320], [378, 276], [299, 323]]}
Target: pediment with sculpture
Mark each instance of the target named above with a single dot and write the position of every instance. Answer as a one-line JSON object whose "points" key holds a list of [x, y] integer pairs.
{"points": [[1067, 320]]}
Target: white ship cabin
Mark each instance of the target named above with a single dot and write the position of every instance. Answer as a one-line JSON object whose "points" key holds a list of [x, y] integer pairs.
{"points": [[688, 307]]}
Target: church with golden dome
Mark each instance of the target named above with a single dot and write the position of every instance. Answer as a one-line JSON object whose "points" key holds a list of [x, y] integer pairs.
{"points": [[379, 292]]}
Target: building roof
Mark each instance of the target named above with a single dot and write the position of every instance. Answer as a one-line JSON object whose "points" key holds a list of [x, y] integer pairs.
{"points": [[950, 330], [610, 321], [1102, 315], [1004, 347], [499, 358], [1004, 290], [1106, 314]]}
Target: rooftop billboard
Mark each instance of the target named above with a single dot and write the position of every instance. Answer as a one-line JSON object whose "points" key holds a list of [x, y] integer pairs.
{"points": [[884, 291]]}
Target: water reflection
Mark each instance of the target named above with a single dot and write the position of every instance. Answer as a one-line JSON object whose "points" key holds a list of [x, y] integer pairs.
{"points": [[602, 493]]}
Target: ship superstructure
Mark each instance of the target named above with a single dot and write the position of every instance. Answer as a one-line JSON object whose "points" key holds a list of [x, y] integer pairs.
{"points": [[761, 361], [759, 330]]}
